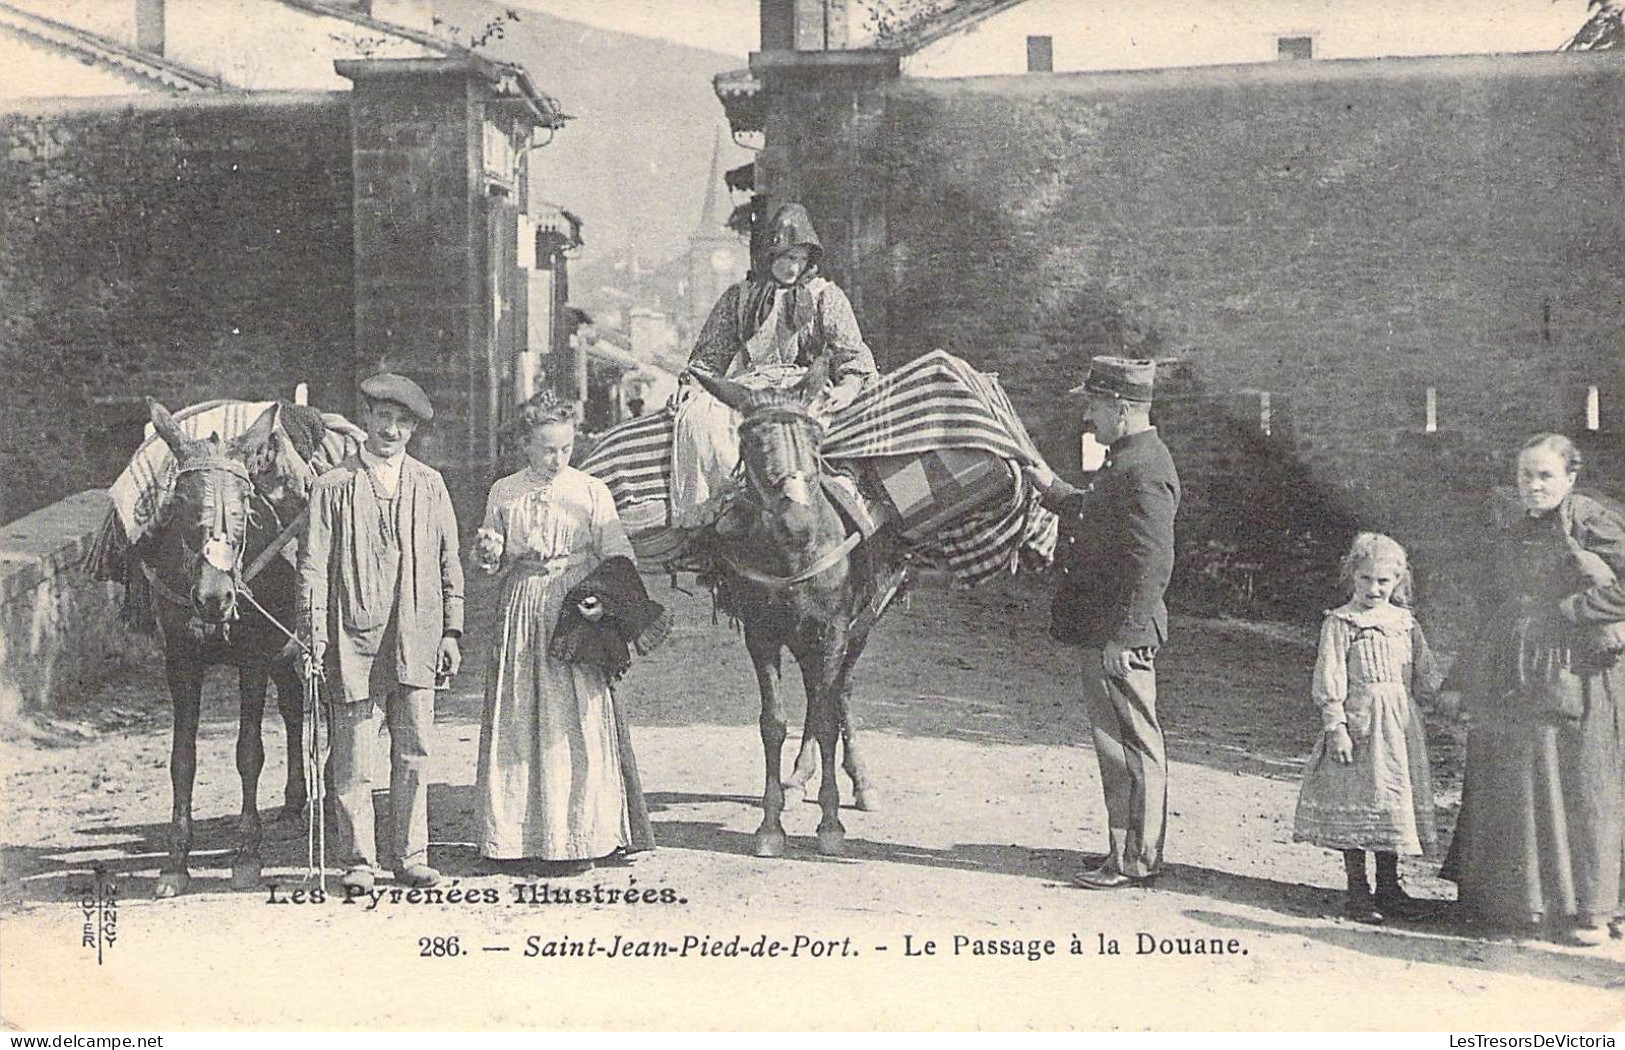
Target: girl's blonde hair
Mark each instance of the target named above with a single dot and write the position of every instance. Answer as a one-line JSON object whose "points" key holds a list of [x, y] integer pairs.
{"points": [[1371, 548]]}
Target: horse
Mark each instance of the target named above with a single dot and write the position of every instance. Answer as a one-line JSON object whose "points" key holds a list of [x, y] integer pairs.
{"points": [[796, 578], [231, 502]]}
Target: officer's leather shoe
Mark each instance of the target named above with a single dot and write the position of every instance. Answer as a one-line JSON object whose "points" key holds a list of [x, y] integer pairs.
{"points": [[1393, 900], [1112, 879], [1095, 871], [357, 880]]}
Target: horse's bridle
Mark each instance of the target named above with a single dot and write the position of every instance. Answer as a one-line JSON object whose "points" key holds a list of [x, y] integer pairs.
{"points": [[793, 485], [806, 426], [218, 549]]}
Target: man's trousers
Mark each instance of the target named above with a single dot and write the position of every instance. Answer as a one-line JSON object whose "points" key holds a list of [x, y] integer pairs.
{"points": [[1133, 761], [354, 728]]}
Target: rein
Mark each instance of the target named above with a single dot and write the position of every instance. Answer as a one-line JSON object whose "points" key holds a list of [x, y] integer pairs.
{"points": [[823, 564], [793, 413]]}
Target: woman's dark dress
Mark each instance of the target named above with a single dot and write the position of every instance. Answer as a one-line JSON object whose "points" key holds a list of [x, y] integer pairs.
{"points": [[1540, 825]]}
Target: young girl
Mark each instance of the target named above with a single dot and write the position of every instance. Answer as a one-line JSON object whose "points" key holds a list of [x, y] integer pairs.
{"points": [[1368, 785]]}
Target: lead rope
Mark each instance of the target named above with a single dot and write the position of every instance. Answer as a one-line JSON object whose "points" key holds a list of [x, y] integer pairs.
{"points": [[315, 764], [315, 782]]}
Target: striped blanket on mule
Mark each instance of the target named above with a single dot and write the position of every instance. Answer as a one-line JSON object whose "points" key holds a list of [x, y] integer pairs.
{"points": [[308, 440], [930, 404]]}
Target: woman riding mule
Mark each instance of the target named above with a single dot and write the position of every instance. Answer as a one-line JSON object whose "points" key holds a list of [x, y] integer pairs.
{"points": [[763, 334]]}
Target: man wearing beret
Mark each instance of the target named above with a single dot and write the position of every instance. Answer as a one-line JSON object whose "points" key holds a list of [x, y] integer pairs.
{"points": [[1116, 557], [381, 605]]}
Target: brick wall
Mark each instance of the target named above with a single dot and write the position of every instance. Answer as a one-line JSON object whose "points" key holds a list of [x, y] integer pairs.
{"points": [[1339, 235], [180, 248]]}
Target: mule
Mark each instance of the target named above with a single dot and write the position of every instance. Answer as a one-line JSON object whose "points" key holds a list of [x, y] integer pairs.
{"points": [[231, 501], [797, 579]]}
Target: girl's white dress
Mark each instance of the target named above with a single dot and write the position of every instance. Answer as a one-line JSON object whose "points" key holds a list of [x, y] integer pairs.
{"points": [[550, 778], [1370, 663]]}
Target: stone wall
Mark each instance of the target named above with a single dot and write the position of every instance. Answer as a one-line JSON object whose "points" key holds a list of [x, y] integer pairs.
{"points": [[57, 625], [182, 248]]}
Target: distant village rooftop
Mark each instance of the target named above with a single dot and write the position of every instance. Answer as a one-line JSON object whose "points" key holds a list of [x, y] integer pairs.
{"points": [[150, 48], [35, 32]]}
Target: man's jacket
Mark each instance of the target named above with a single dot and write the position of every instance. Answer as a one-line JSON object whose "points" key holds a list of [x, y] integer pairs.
{"points": [[1116, 552]]}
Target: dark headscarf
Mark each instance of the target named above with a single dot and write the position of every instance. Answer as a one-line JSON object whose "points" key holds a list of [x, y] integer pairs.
{"points": [[791, 227]]}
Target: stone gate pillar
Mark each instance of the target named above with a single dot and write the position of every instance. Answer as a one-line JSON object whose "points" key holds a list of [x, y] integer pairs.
{"points": [[440, 183]]}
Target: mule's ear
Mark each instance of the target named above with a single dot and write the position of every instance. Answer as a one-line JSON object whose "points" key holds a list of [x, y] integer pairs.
{"points": [[812, 384], [167, 428], [256, 445], [727, 391]]}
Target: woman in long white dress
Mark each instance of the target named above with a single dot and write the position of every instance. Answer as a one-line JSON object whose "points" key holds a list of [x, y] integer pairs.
{"points": [[555, 762]]}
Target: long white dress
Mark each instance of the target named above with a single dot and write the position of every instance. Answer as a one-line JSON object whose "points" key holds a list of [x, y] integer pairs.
{"points": [[550, 780]]}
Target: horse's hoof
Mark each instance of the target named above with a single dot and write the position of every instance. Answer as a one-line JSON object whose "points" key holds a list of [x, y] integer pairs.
{"points": [[291, 813], [171, 884], [866, 799], [770, 843], [831, 842], [246, 875]]}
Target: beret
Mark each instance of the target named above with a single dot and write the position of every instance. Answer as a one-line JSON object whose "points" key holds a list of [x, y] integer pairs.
{"points": [[387, 386]]}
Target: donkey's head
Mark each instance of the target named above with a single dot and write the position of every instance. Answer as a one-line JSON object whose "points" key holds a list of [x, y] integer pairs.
{"points": [[779, 441], [211, 511]]}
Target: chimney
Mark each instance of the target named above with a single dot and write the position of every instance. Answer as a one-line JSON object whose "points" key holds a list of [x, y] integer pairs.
{"points": [[803, 25], [149, 25]]}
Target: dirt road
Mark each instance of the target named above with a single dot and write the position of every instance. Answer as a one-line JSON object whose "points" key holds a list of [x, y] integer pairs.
{"points": [[990, 801]]}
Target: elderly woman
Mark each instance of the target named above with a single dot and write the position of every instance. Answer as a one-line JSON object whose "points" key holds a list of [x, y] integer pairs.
{"points": [[556, 779], [1539, 837], [765, 331]]}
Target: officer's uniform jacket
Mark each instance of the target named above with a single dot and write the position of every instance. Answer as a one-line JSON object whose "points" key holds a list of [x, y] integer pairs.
{"points": [[1117, 547]]}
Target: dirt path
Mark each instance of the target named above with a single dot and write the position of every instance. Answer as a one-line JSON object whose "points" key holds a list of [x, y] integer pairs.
{"points": [[989, 798]]}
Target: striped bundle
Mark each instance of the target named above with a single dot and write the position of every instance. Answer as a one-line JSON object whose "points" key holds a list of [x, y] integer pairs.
{"points": [[931, 403], [143, 489]]}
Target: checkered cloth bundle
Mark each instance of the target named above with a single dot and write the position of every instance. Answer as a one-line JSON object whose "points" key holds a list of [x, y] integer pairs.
{"points": [[933, 403]]}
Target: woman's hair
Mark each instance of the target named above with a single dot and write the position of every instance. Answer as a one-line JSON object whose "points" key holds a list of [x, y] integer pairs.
{"points": [[1371, 548], [543, 409], [1556, 443]]}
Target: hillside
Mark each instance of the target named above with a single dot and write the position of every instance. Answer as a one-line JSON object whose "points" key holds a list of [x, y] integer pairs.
{"points": [[634, 162]]}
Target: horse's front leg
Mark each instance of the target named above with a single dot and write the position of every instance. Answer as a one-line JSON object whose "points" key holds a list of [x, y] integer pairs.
{"points": [[820, 673], [247, 867], [764, 656], [185, 675], [290, 703]]}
